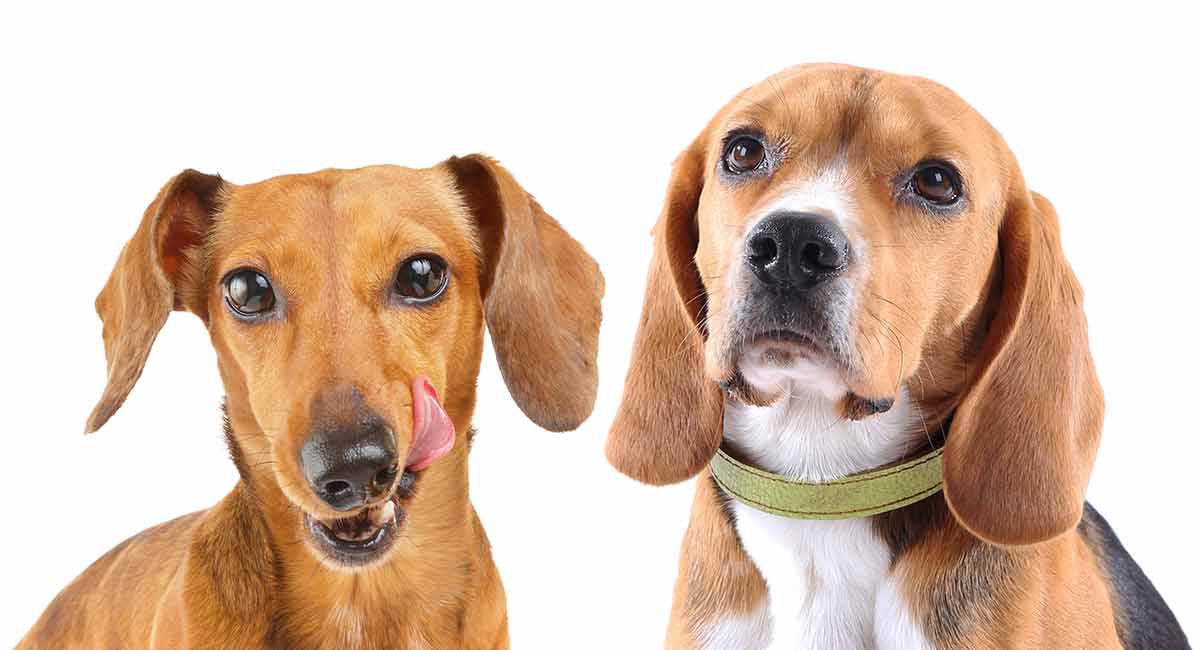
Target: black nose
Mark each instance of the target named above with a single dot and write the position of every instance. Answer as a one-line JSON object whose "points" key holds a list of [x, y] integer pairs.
{"points": [[797, 250], [349, 466]]}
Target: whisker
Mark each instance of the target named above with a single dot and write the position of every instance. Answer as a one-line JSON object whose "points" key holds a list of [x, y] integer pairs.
{"points": [[903, 311]]}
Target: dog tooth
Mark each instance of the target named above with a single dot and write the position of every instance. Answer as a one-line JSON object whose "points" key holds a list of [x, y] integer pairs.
{"points": [[387, 512]]}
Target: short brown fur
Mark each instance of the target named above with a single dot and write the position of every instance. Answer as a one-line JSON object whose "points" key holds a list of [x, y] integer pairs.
{"points": [[239, 575]]}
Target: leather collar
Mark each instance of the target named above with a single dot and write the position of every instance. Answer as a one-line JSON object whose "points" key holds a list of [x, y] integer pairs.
{"points": [[858, 495]]}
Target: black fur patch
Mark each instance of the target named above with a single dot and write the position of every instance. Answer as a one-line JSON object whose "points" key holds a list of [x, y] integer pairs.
{"points": [[970, 589], [902, 528], [1144, 621]]}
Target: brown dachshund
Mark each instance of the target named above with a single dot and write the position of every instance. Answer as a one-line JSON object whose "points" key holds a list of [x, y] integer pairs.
{"points": [[850, 270], [347, 310]]}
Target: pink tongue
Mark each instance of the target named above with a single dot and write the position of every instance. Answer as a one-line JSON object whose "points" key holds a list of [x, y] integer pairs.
{"points": [[433, 432]]}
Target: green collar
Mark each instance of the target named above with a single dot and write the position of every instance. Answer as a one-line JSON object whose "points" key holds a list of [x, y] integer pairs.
{"points": [[857, 495]]}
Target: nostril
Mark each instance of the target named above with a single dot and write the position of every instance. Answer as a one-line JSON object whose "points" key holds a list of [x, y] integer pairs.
{"points": [[812, 255], [383, 478], [337, 488], [763, 251], [822, 256], [347, 466]]}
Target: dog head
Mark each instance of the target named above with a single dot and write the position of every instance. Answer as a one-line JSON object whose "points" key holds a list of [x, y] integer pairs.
{"points": [[347, 310], [856, 234]]}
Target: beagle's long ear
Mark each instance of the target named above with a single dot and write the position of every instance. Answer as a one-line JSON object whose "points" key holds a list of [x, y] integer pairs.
{"points": [[148, 281], [668, 425], [541, 297], [1023, 440]]}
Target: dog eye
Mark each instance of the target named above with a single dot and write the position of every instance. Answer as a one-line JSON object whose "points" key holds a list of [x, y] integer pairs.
{"points": [[937, 184], [744, 154], [249, 293], [422, 278]]}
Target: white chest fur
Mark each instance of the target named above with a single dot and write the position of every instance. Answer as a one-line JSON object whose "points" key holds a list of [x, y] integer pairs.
{"points": [[829, 582]]}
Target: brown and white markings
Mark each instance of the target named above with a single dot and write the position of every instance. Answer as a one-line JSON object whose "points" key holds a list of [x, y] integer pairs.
{"points": [[849, 268]]}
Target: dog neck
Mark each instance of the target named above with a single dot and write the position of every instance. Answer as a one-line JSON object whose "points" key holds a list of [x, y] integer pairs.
{"points": [[828, 582]]}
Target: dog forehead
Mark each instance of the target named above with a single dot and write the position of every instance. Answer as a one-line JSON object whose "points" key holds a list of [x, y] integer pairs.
{"points": [[823, 111], [815, 92], [382, 203], [839, 130]]}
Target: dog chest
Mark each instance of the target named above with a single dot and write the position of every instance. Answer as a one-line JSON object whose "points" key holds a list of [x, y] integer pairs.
{"points": [[829, 585]]}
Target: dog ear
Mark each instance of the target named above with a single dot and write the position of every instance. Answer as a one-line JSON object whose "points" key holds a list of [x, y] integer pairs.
{"points": [[1023, 440], [541, 297], [668, 425], [147, 281]]}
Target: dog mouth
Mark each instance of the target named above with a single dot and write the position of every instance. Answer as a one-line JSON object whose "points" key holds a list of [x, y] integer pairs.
{"points": [[774, 362], [367, 535], [781, 348]]}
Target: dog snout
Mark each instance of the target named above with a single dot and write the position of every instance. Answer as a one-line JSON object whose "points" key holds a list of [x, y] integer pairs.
{"points": [[797, 250], [350, 466]]}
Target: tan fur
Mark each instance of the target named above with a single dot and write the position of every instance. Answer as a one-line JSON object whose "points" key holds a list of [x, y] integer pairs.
{"points": [[241, 574], [716, 577], [975, 314]]}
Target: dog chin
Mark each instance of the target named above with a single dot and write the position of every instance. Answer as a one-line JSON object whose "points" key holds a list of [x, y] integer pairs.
{"points": [[781, 368]]}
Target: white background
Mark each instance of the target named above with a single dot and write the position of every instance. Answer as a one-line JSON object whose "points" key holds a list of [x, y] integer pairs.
{"points": [[101, 104]]}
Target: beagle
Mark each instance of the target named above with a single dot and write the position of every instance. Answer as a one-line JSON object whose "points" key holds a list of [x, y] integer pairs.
{"points": [[347, 310], [851, 281]]}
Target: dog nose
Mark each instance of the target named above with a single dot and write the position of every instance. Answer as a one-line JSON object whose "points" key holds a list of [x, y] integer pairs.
{"points": [[349, 467], [797, 249]]}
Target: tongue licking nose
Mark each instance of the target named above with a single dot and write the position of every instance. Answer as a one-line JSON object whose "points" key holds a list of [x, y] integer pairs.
{"points": [[432, 438], [433, 432]]}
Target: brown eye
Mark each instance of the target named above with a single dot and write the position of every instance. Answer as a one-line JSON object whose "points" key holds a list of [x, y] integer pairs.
{"points": [[937, 184], [422, 278], [744, 154], [248, 293]]}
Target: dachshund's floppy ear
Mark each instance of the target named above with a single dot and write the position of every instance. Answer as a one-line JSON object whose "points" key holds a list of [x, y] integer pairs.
{"points": [[541, 297], [150, 279], [1023, 440], [668, 425]]}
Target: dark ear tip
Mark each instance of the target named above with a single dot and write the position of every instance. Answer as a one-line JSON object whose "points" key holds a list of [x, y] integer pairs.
{"points": [[469, 165], [203, 185]]}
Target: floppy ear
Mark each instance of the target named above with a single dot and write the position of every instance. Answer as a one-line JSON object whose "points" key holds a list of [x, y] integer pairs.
{"points": [[1023, 440], [145, 285], [668, 425], [541, 297]]}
